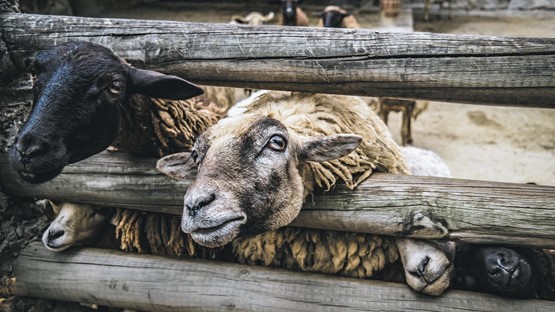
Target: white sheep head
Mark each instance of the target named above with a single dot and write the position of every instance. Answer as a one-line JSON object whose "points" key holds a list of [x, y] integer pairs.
{"points": [[74, 224], [250, 176]]}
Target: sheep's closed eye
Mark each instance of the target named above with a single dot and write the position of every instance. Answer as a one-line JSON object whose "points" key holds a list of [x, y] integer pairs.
{"points": [[277, 143]]}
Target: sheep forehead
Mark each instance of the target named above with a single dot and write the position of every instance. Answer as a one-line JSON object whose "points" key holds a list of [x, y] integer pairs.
{"points": [[239, 139], [78, 63], [81, 53], [243, 125], [75, 211]]}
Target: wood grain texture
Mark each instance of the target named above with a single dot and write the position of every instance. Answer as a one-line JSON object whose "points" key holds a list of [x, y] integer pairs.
{"points": [[146, 282], [460, 68], [421, 207]]}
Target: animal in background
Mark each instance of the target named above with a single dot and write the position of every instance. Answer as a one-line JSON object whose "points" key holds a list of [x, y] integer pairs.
{"points": [[428, 4], [253, 18], [292, 14], [334, 16]]}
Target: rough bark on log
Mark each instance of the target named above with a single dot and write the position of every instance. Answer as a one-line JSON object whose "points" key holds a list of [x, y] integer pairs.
{"points": [[422, 207], [151, 283], [16, 98], [460, 68]]}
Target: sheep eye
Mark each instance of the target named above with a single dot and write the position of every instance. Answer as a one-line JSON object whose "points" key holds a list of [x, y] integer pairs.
{"points": [[277, 143], [115, 88]]}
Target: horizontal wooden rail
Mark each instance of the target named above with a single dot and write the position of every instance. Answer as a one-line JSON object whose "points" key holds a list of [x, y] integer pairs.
{"points": [[459, 68], [422, 207], [151, 283]]}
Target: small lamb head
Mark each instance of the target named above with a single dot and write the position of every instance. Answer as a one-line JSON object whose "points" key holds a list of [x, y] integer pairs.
{"points": [[505, 271], [80, 93], [250, 176], [74, 224]]}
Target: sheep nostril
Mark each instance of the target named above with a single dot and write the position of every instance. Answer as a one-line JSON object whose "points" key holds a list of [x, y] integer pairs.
{"points": [[53, 236], [198, 203], [206, 200], [423, 264], [30, 146]]}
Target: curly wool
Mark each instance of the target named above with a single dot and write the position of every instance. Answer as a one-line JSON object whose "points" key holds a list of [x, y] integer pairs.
{"points": [[331, 252], [314, 115], [159, 127]]}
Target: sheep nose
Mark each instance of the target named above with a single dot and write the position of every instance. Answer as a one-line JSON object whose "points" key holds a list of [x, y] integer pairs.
{"points": [[30, 146], [52, 235], [420, 271], [197, 201]]}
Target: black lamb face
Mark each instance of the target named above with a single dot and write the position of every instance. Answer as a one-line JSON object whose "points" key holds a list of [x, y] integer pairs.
{"points": [[80, 90], [507, 271]]}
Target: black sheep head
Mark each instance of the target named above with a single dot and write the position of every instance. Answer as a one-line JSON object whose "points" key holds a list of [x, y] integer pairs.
{"points": [[80, 91]]}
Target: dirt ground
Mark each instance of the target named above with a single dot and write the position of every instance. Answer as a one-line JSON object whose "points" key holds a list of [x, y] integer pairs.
{"points": [[477, 142], [491, 143]]}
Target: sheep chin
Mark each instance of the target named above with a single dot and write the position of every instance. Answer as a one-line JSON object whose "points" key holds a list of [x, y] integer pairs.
{"points": [[220, 235], [215, 232], [30, 174]]}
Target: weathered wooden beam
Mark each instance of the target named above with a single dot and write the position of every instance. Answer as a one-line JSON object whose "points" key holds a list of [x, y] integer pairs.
{"points": [[423, 207], [151, 283], [460, 68]]}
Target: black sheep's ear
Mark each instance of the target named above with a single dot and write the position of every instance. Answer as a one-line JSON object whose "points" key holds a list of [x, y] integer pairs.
{"points": [[158, 85]]}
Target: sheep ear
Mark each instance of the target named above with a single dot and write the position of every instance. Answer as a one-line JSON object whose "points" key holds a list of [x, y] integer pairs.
{"points": [[158, 85], [329, 147], [56, 207], [178, 166]]}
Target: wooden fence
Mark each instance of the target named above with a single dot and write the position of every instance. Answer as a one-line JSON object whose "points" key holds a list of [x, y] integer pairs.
{"points": [[421, 207], [151, 283], [472, 69]]}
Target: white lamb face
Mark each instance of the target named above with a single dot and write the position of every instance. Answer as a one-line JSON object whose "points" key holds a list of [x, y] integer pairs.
{"points": [[249, 176], [74, 224]]}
